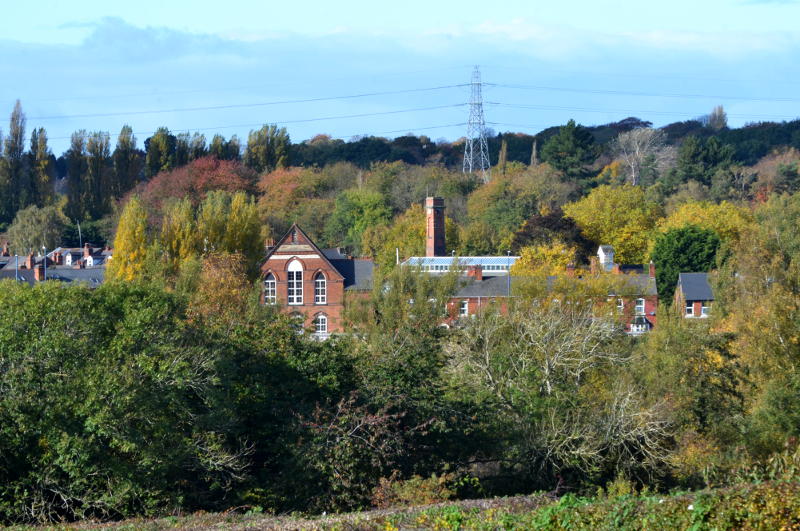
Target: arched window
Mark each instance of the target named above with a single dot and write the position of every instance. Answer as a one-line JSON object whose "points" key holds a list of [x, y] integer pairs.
{"points": [[270, 290], [320, 289], [295, 283], [321, 325]]}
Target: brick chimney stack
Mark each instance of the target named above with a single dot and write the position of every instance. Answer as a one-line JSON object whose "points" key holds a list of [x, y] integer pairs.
{"points": [[58, 258], [435, 240], [29, 261], [652, 270], [87, 251], [5, 251], [38, 273], [475, 272]]}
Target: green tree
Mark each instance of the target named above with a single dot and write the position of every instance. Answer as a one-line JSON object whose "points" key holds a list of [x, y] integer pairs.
{"points": [[35, 227], [267, 149], [570, 150], [15, 180], [229, 223], [43, 168], [130, 244], [222, 150], [689, 249], [179, 237], [160, 152], [127, 163], [76, 170], [355, 211], [96, 186]]}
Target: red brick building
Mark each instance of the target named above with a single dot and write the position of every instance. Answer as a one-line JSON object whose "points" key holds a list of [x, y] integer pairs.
{"points": [[313, 283]]}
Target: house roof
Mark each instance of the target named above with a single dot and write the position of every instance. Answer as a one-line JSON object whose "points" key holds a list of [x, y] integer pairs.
{"points": [[334, 254], [357, 273], [695, 287], [488, 287], [463, 261], [92, 276]]}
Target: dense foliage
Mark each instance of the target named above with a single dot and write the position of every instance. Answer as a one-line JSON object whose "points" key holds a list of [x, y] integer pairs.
{"points": [[171, 389]]}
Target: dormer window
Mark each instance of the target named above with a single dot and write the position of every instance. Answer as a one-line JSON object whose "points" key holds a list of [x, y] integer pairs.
{"points": [[294, 283]]}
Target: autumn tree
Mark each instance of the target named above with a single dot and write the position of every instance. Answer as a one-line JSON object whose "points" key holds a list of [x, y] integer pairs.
{"points": [[130, 244], [225, 150], [544, 259], [179, 237], [228, 223], [727, 220], [619, 216]]}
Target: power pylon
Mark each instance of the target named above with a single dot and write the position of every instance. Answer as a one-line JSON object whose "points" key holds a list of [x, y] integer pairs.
{"points": [[476, 149]]}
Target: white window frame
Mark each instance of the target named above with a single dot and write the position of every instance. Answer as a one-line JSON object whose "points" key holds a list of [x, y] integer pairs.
{"points": [[463, 307], [270, 289], [294, 283], [688, 310], [620, 305], [320, 289], [320, 325], [705, 309], [639, 309]]}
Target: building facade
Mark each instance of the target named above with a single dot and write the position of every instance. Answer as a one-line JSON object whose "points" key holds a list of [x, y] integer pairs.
{"points": [[313, 284]]}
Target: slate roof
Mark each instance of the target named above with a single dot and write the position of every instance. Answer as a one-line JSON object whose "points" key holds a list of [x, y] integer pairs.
{"points": [[488, 287], [357, 273], [92, 276], [641, 285], [695, 287], [334, 254]]}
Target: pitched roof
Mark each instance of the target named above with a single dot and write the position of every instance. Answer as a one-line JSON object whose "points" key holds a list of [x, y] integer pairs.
{"points": [[357, 273], [278, 247], [488, 287], [695, 287]]}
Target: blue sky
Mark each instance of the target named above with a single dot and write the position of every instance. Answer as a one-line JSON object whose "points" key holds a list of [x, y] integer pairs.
{"points": [[95, 66]]}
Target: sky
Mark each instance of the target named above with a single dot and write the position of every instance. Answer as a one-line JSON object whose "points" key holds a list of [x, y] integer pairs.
{"points": [[352, 68]]}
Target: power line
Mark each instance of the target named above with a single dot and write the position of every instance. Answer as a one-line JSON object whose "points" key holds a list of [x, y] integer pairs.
{"points": [[319, 119], [245, 105], [632, 93], [643, 112], [158, 93]]}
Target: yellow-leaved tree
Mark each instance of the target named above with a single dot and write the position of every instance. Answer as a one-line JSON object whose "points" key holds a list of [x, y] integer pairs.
{"points": [[618, 216], [178, 233], [545, 259], [130, 244], [726, 219]]}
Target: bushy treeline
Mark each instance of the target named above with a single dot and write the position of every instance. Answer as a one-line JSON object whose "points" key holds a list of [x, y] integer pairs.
{"points": [[144, 397]]}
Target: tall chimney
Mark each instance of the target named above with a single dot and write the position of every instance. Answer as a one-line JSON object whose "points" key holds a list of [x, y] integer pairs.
{"points": [[87, 251], [435, 242], [29, 261], [652, 270], [5, 251]]}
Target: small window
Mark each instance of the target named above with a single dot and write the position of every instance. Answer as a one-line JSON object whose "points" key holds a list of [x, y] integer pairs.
{"points": [[321, 325], [320, 289], [270, 290], [689, 309], [463, 308], [705, 309], [639, 307], [620, 305]]}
